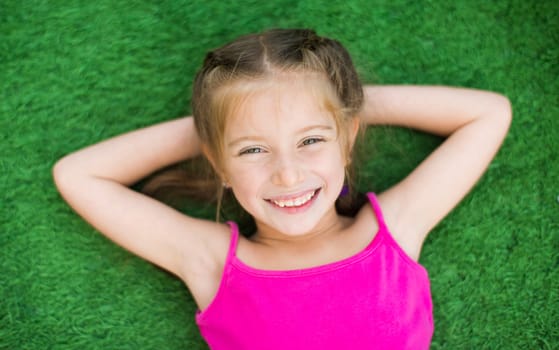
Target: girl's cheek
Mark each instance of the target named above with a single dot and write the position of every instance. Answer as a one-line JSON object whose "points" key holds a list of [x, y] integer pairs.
{"points": [[247, 172], [324, 155]]}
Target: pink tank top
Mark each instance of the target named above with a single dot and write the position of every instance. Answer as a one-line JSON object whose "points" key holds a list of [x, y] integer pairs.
{"points": [[377, 299]]}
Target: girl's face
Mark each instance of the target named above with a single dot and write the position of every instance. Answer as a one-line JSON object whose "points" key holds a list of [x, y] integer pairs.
{"points": [[283, 159]]}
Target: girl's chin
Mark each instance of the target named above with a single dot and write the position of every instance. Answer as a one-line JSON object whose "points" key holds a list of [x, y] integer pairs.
{"points": [[293, 228], [294, 232]]}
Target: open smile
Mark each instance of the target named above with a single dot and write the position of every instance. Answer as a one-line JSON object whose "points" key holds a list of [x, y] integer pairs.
{"points": [[294, 202]]}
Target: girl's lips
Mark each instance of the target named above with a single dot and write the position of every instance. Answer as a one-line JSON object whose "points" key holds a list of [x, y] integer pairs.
{"points": [[295, 201]]}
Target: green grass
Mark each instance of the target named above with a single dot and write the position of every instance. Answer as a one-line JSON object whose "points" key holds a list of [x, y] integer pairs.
{"points": [[75, 72]]}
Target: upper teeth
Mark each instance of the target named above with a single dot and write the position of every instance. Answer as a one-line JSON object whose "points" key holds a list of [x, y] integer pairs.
{"points": [[294, 202]]}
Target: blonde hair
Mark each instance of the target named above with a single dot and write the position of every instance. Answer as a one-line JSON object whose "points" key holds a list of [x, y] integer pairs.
{"points": [[258, 57], [228, 72]]}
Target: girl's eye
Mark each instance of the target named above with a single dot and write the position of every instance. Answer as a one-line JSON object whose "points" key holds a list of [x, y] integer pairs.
{"points": [[311, 140], [251, 150]]}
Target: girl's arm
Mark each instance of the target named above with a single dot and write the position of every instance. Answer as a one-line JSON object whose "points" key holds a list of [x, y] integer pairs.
{"points": [[95, 180], [474, 123]]}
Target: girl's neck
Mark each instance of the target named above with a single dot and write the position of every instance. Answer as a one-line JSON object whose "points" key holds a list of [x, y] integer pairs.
{"points": [[332, 240]]}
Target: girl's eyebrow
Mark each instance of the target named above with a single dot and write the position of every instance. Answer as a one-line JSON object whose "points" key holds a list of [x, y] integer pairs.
{"points": [[306, 129], [318, 127]]}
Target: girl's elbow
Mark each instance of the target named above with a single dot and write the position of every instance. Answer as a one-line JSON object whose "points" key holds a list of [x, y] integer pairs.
{"points": [[58, 172], [62, 173], [501, 113], [505, 110]]}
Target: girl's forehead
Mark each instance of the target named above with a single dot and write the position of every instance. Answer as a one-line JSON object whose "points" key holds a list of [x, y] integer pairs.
{"points": [[282, 104]]}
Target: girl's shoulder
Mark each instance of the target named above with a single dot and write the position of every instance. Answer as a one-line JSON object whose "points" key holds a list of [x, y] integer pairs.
{"points": [[202, 274], [380, 214]]}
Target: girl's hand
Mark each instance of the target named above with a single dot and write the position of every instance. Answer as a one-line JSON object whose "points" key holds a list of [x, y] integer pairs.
{"points": [[475, 124]]}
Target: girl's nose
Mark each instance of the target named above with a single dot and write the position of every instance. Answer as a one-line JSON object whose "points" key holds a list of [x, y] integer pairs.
{"points": [[288, 172]]}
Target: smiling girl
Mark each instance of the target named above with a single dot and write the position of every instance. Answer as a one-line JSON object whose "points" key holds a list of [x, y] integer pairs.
{"points": [[277, 114]]}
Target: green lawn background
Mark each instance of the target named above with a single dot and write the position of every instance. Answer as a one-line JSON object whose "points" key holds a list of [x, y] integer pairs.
{"points": [[75, 72]]}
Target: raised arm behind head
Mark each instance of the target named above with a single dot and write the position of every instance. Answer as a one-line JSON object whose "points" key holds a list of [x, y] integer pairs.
{"points": [[94, 181], [474, 123]]}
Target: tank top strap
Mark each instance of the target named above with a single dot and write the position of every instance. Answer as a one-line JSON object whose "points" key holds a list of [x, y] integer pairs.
{"points": [[377, 210], [234, 241]]}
